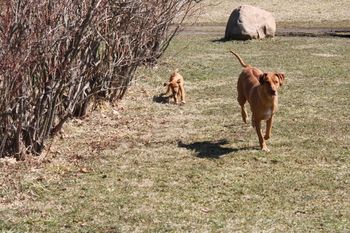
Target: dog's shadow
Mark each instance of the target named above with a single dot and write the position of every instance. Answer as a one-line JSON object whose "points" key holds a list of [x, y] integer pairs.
{"points": [[210, 149], [161, 99]]}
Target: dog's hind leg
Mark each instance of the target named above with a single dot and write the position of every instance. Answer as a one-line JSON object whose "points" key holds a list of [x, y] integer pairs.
{"points": [[244, 114], [242, 101]]}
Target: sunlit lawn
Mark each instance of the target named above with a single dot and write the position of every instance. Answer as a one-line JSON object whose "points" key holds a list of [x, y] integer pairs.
{"points": [[145, 166]]}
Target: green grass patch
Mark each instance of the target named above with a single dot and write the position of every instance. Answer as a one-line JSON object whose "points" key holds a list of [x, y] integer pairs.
{"points": [[145, 166]]}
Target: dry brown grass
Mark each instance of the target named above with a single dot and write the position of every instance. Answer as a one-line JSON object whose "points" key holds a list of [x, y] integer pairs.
{"points": [[145, 166], [286, 11]]}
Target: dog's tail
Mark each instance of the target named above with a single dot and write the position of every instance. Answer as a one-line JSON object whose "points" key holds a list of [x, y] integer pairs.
{"points": [[174, 72], [240, 59]]}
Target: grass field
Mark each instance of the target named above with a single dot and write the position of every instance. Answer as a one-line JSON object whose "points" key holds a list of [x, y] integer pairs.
{"points": [[320, 13], [145, 166]]}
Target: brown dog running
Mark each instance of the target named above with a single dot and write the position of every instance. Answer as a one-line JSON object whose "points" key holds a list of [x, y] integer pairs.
{"points": [[260, 90], [176, 86]]}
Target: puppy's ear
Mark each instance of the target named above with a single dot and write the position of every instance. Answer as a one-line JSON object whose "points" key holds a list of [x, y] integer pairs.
{"points": [[281, 78], [262, 78]]}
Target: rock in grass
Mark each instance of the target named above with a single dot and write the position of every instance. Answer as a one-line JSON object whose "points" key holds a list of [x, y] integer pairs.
{"points": [[248, 22]]}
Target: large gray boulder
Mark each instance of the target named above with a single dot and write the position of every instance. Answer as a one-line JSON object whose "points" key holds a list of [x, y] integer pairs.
{"points": [[248, 22]]}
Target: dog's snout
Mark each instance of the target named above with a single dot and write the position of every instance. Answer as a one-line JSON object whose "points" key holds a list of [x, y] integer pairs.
{"points": [[272, 91]]}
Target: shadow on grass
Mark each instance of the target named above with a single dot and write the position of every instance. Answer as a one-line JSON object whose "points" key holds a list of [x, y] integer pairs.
{"points": [[161, 99], [223, 40], [211, 149], [220, 40]]}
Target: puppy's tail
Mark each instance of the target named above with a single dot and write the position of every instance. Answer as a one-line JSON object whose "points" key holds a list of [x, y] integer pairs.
{"points": [[174, 72], [240, 59]]}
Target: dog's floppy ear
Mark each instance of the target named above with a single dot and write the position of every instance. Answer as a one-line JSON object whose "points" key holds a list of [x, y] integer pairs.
{"points": [[281, 77], [262, 78]]}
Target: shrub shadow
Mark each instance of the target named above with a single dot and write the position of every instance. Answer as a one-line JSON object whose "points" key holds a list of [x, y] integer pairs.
{"points": [[211, 149]]}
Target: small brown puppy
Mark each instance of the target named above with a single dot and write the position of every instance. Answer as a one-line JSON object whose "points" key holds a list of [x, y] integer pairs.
{"points": [[260, 90], [176, 86]]}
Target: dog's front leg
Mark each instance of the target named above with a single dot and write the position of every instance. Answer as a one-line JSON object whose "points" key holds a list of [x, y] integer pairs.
{"points": [[261, 139], [176, 98], [268, 129], [182, 94]]}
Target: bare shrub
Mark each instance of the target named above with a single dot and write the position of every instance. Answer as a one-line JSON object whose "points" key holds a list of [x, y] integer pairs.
{"points": [[134, 33], [56, 56]]}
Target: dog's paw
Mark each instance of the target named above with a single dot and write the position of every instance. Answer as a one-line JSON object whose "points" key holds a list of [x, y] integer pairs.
{"points": [[265, 149]]}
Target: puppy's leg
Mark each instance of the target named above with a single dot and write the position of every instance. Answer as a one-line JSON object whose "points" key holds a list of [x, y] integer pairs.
{"points": [[176, 98], [261, 139], [268, 129], [182, 94]]}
